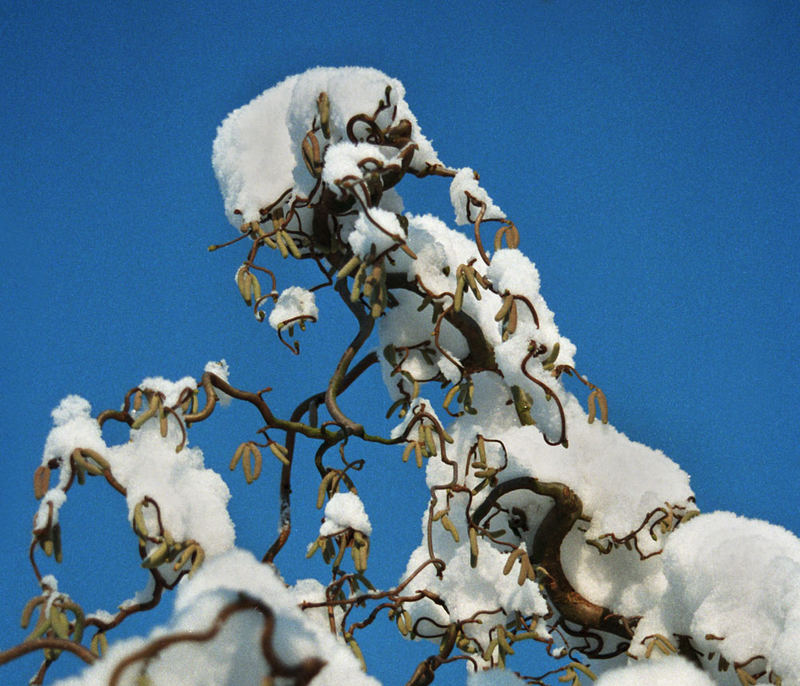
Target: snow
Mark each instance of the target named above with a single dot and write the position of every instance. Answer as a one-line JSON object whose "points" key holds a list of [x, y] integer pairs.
{"points": [[144, 595], [466, 195], [234, 656], [494, 677], [618, 480], [49, 582], [70, 408], [257, 154], [343, 162], [51, 502], [378, 231], [672, 671], [73, 426], [293, 303], [192, 499], [345, 511], [101, 616], [511, 271], [219, 369], [467, 590], [171, 390], [448, 248], [733, 584], [252, 154], [351, 91]]}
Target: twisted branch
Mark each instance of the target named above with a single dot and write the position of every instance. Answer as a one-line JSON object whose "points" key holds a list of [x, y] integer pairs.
{"points": [[546, 553], [302, 673]]}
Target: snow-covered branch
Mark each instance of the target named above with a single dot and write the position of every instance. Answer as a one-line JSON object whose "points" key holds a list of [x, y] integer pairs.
{"points": [[543, 524]]}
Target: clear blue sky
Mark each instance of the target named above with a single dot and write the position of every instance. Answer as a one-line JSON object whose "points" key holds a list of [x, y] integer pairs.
{"points": [[649, 153]]}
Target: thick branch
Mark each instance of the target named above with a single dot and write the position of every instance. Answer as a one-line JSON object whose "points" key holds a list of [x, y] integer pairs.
{"points": [[481, 354], [546, 553]]}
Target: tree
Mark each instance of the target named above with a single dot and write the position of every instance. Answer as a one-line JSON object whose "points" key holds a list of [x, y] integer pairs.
{"points": [[543, 524]]}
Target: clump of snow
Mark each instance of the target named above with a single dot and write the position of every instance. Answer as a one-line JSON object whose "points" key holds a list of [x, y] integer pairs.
{"points": [[144, 595], [448, 248], [377, 230], [101, 616], [494, 677], [293, 303], [171, 390], [70, 408], [345, 511], [312, 591], [218, 368], [466, 195], [467, 590], [351, 91], [49, 582], [252, 154], [73, 427], [343, 162], [618, 480], [511, 271], [234, 656], [733, 584], [48, 508], [618, 579], [258, 155], [191, 498], [672, 671]]}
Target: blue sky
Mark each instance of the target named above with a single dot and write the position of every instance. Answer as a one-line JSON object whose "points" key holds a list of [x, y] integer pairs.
{"points": [[648, 152]]}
